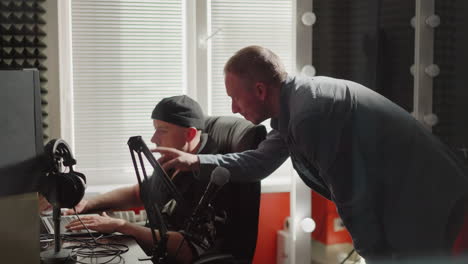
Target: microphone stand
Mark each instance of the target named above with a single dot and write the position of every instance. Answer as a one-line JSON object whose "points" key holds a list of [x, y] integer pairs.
{"points": [[196, 227], [138, 146]]}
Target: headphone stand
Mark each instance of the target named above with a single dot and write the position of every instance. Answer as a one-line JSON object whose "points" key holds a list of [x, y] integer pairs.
{"points": [[62, 189], [57, 254]]}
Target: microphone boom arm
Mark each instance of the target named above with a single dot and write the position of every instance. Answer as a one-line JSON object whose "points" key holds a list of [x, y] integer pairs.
{"points": [[137, 145]]}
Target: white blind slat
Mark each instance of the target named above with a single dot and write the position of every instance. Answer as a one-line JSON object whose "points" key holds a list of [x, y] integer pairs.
{"points": [[262, 22], [127, 55]]}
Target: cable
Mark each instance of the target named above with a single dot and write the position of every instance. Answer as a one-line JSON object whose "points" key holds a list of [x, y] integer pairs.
{"points": [[45, 241], [93, 250], [347, 257], [87, 230]]}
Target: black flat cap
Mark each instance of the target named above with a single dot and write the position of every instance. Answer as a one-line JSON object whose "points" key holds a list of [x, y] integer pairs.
{"points": [[180, 110]]}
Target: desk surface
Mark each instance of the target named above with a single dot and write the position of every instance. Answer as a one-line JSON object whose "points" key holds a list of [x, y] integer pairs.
{"points": [[133, 254]]}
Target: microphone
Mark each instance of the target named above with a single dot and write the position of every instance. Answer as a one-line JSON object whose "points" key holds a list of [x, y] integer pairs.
{"points": [[200, 226], [219, 177]]}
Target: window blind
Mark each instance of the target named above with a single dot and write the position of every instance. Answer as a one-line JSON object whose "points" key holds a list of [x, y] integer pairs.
{"points": [[127, 55], [241, 23]]}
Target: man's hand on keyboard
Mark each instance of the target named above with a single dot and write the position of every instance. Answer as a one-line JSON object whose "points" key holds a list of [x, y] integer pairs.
{"points": [[81, 207], [44, 205], [103, 224]]}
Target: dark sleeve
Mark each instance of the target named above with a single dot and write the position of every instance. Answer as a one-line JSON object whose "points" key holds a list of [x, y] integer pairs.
{"points": [[250, 165]]}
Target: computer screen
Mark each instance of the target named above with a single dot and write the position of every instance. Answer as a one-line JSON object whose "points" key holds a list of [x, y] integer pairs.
{"points": [[21, 135]]}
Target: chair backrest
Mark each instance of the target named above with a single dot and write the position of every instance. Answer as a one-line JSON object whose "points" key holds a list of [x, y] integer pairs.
{"points": [[233, 134]]}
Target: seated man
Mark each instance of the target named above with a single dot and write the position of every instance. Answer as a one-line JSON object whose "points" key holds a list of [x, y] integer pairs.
{"points": [[178, 122]]}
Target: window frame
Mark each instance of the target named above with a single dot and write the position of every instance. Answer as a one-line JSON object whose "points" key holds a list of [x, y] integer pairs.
{"points": [[197, 46]]}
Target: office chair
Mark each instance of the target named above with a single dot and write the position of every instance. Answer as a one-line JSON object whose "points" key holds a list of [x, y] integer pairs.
{"points": [[233, 134]]}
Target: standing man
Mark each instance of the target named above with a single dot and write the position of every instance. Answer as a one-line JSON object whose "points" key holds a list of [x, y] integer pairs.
{"points": [[399, 191]]}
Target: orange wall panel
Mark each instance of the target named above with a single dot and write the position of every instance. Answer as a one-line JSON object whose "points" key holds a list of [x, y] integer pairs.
{"points": [[274, 208]]}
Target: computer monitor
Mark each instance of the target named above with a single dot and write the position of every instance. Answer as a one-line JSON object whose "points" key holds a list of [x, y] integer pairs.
{"points": [[21, 149], [21, 135]]}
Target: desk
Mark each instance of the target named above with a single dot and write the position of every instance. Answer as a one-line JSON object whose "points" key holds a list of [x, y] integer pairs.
{"points": [[131, 256]]}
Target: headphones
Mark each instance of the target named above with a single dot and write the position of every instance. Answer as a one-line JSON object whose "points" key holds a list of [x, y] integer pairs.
{"points": [[62, 186]]}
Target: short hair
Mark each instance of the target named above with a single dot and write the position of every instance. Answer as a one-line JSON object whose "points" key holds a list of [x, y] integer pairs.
{"points": [[257, 63]]}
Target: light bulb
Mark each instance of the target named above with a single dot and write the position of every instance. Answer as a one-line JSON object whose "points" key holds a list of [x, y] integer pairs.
{"points": [[431, 120], [308, 70], [433, 21], [308, 18], [432, 70], [307, 225]]}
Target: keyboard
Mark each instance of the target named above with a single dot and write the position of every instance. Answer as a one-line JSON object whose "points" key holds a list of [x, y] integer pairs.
{"points": [[64, 221], [129, 216]]}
